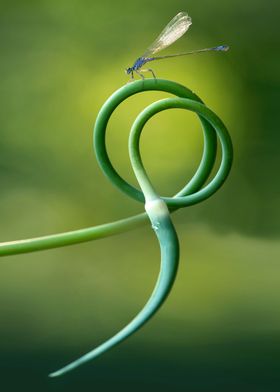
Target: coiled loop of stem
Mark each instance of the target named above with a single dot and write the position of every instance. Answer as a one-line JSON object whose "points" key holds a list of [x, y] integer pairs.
{"points": [[212, 127], [190, 194], [156, 206]]}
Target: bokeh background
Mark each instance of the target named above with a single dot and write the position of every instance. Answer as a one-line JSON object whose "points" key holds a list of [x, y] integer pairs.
{"points": [[220, 328]]}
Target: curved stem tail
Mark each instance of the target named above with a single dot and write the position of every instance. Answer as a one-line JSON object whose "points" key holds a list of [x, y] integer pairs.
{"points": [[169, 263]]}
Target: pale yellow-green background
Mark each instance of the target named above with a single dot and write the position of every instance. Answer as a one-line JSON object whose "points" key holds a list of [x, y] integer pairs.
{"points": [[219, 330]]}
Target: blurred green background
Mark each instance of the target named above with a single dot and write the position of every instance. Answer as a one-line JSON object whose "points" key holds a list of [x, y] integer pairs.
{"points": [[220, 328]]}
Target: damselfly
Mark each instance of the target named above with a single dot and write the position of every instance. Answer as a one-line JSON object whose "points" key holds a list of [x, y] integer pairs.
{"points": [[173, 31]]}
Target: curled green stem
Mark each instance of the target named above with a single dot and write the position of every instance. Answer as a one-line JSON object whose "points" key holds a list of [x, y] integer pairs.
{"points": [[105, 230], [158, 207]]}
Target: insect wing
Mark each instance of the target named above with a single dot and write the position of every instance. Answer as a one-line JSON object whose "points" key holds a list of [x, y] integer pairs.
{"points": [[173, 31]]}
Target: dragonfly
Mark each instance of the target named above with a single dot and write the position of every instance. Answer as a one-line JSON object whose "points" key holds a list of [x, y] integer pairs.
{"points": [[174, 30]]}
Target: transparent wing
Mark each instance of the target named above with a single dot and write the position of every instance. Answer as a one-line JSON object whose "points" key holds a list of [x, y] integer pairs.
{"points": [[173, 31]]}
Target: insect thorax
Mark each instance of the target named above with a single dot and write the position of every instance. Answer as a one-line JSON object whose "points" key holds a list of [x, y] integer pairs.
{"points": [[138, 63]]}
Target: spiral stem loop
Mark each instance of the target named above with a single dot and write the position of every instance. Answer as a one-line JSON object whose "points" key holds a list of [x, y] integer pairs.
{"points": [[157, 207]]}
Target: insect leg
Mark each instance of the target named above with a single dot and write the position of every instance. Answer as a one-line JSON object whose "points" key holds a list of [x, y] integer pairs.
{"points": [[149, 70], [139, 73], [131, 79]]}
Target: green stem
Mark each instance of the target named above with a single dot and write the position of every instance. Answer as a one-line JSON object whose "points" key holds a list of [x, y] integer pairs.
{"points": [[169, 246], [72, 237], [93, 233], [156, 206]]}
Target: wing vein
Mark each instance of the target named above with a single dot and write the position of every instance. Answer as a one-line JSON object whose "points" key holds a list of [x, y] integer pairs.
{"points": [[171, 33]]}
